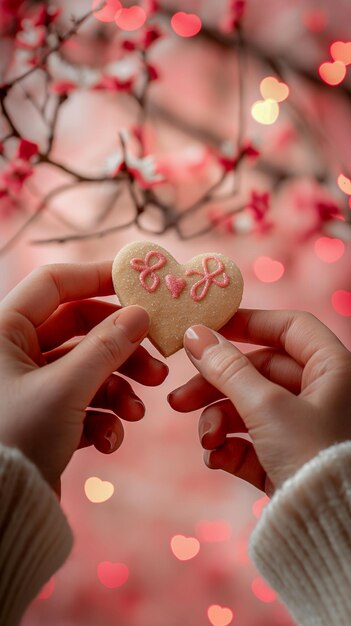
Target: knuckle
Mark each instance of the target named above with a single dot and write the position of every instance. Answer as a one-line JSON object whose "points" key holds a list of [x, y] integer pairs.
{"points": [[227, 365], [108, 348]]}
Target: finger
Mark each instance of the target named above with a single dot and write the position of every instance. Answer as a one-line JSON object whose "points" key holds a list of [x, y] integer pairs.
{"points": [[238, 457], [140, 366], [299, 333], [40, 293], [84, 369], [73, 319], [231, 372], [217, 421], [277, 366], [117, 395], [102, 430], [195, 394], [144, 368]]}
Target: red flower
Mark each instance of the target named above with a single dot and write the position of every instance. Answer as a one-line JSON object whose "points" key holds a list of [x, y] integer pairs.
{"points": [[234, 17], [46, 15], [150, 35], [63, 87], [152, 71], [15, 174], [27, 149], [259, 204], [229, 160], [327, 210], [31, 36]]}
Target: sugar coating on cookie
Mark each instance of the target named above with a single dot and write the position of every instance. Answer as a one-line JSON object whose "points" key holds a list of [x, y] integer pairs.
{"points": [[205, 290]]}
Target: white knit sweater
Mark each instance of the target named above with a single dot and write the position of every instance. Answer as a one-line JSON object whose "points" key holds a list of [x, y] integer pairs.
{"points": [[301, 545], [35, 538]]}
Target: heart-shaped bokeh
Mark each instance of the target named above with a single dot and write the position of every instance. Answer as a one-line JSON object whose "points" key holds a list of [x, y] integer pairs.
{"points": [[265, 111], [130, 18], [184, 548], [112, 575], [186, 24], [220, 615], [341, 51], [205, 290], [271, 88], [333, 73], [97, 490]]}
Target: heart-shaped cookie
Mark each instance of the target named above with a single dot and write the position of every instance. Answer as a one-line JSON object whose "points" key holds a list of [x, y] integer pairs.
{"points": [[205, 290]]}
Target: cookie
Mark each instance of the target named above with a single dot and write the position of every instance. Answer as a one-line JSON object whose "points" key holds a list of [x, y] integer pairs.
{"points": [[205, 290]]}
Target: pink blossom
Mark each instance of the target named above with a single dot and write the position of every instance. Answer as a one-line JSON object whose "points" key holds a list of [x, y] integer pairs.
{"points": [[115, 164], [259, 205], [119, 75], [150, 35], [144, 170], [229, 159], [10, 16], [27, 149], [46, 15], [63, 87], [219, 219], [234, 16], [153, 72], [31, 36], [15, 174]]}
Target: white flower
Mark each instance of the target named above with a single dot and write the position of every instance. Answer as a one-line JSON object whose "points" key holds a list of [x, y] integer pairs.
{"points": [[144, 170]]}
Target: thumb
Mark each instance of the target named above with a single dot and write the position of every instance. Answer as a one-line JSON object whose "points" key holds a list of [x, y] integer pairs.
{"points": [[229, 370], [83, 370]]}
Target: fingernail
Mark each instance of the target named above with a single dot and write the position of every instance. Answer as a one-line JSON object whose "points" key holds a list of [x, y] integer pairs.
{"points": [[111, 438], [206, 428], [197, 339], [138, 404], [134, 321]]}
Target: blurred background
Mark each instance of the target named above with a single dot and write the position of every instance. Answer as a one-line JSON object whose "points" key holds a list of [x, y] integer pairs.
{"points": [[203, 126]]}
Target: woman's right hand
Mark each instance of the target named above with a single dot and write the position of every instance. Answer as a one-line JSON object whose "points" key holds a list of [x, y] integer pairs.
{"points": [[293, 397]]}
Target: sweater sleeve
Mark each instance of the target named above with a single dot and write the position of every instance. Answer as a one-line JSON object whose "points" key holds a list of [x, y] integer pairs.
{"points": [[302, 543], [35, 538]]}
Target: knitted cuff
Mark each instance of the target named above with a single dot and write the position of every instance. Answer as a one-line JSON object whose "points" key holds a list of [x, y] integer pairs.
{"points": [[35, 538], [302, 543]]}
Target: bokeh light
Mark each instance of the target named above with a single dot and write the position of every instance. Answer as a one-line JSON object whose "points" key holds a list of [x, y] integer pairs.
{"points": [[259, 505], [262, 591], [97, 490], [315, 20], [332, 73], [328, 249], [341, 51], [265, 111], [213, 531], [108, 11], [220, 615], [268, 270], [272, 89], [130, 18], [344, 183], [186, 24], [47, 590], [341, 301], [184, 548], [112, 575]]}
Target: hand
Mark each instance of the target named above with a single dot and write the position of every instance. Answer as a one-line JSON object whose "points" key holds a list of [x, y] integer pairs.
{"points": [[293, 398], [58, 354]]}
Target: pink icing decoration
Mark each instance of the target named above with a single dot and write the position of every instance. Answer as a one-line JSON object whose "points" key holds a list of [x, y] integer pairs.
{"points": [[175, 285], [207, 278], [146, 269]]}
